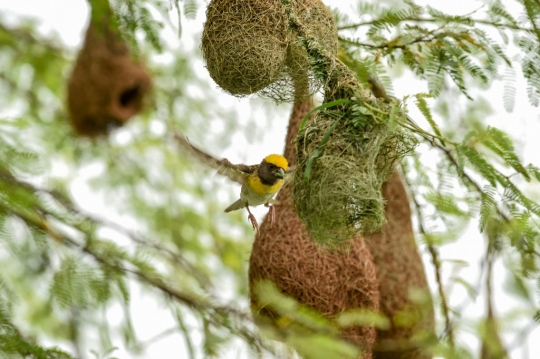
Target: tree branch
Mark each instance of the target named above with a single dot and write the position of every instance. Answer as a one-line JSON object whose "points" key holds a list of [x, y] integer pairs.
{"points": [[437, 266], [433, 20], [221, 314]]}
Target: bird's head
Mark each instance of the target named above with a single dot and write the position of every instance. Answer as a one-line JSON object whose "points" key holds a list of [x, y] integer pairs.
{"points": [[272, 168]]}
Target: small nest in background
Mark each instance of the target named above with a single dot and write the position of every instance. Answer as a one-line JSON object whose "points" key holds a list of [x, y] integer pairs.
{"points": [[244, 44], [107, 87], [248, 47], [298, 72], [342, 196]]}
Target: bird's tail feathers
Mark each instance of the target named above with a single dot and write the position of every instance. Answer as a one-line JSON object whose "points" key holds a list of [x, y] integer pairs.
{"points": [[235, 206]]}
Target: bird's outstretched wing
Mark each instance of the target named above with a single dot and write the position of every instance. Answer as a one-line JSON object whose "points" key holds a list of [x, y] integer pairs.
{"points": [[237, 173]]}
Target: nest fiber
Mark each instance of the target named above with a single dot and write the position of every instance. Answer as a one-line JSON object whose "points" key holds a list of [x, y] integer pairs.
{"points": [[328, 281], [298, 80], [344, 157], [107, 87], [400, 272], [248, 47]]}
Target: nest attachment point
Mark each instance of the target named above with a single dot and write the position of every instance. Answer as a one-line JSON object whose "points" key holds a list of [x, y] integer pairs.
{"points": [[107, 87], [348, 154], [298, 81]]}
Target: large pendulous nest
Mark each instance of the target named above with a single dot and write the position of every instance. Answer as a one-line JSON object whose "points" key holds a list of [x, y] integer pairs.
{"points": [[404, 291], [329, 281], [107, 87], [248, 47]]}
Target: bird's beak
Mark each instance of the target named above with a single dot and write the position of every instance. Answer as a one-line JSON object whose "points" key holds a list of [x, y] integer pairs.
{"points": [[280, 173]]}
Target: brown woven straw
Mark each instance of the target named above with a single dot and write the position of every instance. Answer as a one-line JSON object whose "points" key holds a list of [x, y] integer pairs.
{"points": [[106, 87], [400, 273], [319, 23]]}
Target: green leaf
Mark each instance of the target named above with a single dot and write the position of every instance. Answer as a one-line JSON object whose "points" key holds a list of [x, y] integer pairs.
{"points": [[362, 317], [319, 151], [479, 163], [487, 207], [190, 9], [509, 93], [423, 106], [324, 106], [468, 287]]}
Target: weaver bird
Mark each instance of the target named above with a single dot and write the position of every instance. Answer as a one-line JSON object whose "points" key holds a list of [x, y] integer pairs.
{"points": [[259, 182]]}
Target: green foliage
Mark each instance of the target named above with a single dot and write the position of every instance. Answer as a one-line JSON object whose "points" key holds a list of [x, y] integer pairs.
{"points": [[431, 43], [73, 255], [79, 285], [301, 327]]}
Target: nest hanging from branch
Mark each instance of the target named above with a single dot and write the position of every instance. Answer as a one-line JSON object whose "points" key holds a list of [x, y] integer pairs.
{"points": [[244, 44], [107, 87], [319, 24], [401, 273], [329, 281], [347, 152], [248, 47], [344, 157]]}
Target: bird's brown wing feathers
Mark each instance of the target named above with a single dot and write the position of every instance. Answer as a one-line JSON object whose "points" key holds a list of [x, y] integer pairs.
{"points": [[237, 173]]}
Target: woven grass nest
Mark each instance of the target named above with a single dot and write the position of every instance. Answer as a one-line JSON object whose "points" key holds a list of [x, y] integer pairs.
{"points": [[107, 87], [248, 47], [344, 157], [328, 281], [400, 273]]}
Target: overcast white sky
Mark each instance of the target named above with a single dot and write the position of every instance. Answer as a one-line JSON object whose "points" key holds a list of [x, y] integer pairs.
{"points": [[68, 18]]}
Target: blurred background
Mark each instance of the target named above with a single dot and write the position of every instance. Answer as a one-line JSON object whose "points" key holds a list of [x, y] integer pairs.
{"points": [[153, 210]]}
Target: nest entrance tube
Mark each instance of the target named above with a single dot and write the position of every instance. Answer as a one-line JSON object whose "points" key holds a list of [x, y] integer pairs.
{"points": [[107, 87]]}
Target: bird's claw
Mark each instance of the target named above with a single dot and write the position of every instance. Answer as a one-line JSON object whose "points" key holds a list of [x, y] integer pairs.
{"points": [[253, 220], [272, 214]]}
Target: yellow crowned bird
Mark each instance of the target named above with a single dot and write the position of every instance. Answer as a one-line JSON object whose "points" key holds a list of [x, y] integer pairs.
{"points": [[260, 183]]}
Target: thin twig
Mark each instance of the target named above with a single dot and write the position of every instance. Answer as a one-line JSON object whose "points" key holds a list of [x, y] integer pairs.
{"points": [[418, 19], [173, 257], [160, 336], [420, 39], [437, 266]]}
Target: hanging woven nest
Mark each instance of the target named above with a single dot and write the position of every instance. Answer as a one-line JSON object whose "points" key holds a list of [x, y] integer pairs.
{"points": [[344, 157], [107, 87], [248, 47], [244, 44], [405, 296], [328, 281]]}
